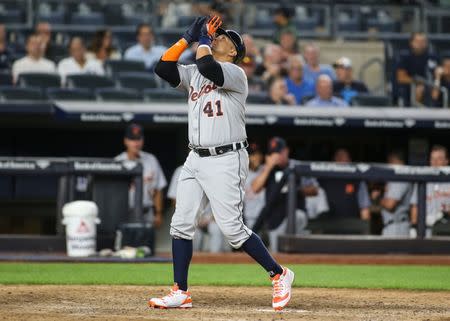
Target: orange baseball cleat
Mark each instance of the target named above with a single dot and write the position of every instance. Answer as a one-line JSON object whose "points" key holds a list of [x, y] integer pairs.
{"points": [[176, 299], [282, 284]]}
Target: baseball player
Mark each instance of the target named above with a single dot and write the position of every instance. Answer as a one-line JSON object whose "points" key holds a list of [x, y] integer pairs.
{"points": [[217, 165], [437, 194]]}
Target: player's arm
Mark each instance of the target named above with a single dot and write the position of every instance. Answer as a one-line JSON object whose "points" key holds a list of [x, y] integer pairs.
{"points": [[205, 62], [158, 202], [167, 67], [260, 181]]}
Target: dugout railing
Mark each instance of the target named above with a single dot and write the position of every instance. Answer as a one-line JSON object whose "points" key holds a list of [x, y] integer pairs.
{"points": [[67, 169], [292, 242]]}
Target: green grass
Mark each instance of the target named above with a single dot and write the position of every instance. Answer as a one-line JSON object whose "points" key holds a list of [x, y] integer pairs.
{"points": [[335, 276]]}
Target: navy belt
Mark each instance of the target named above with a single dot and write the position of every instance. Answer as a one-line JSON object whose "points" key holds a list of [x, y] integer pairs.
{"points": [[219, 150]]}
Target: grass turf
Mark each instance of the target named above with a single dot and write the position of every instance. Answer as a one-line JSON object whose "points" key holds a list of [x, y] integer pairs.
{"points": [[335, 276]]}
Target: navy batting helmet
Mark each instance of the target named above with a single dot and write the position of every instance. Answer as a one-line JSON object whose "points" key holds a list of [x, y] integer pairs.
{"points": [[237, 41]]}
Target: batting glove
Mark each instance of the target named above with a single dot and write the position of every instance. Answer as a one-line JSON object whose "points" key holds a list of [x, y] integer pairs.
{"points": [[193, 32], [209, 29]]}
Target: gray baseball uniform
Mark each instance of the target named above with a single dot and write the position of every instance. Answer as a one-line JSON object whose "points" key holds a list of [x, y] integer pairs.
{"points": [[253, 203], [438, 202], [154, 179], [396, 223], [216, 117]]}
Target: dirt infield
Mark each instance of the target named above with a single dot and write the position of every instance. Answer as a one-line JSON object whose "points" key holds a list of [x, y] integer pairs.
{"points": [[48, 302]]}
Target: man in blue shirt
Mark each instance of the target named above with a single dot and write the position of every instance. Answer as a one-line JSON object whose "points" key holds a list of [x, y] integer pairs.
{"points": [[313, 69], [345, 86], [144, 49], [295, 81], [325, 98]]}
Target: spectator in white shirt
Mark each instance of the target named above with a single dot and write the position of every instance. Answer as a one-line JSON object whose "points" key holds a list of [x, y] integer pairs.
{"points": [[144, 50], [77, 63], [33, 62]]}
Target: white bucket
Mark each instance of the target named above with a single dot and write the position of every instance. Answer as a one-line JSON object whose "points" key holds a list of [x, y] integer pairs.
{"points": [[80, 218]]}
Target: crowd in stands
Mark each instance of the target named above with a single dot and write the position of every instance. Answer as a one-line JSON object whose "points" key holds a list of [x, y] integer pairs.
{"points": [[286, 71]]}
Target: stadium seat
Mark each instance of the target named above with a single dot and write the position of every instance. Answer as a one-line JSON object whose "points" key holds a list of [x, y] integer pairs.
{"points": [[55, 18], [18, 93], [113, 67], [137, 80], [5, 78], [69, 94], [264, 23], [90, 19], [184, 21], [307, 24], [374, 23], [90, 82], [370, 101], [257, 98], [12, 16], [39, 80], [165, 95], [114, 94]]}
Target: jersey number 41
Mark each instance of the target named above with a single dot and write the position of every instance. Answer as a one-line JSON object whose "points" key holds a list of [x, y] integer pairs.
{"points": [[209, 109]]}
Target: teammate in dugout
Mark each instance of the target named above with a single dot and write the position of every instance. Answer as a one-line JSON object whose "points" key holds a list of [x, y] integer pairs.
{"points": [[217, 165]]}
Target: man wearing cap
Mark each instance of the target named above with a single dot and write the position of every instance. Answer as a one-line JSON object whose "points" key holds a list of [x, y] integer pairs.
{"points": [[345, 86], [277, 161], [154, 179], [217, 166]]}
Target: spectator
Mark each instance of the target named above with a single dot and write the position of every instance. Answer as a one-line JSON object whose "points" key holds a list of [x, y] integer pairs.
{"points": [[154, 179], [396, 202], [345, 86], [288, 42], [77, 63], [145, 50], [278, 93], [325, 98], [348, 202], [295, 82], [283, 21], [6, 55], [44, 30], [273, 62], [277, 161], [33, 61], [101, 47], [441, 79], [313, 69], [253, 202], [251, 49], [417, 62], [437, 196], [255, 83]]}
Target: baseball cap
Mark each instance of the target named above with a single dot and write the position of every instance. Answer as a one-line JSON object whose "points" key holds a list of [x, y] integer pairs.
{"points": [[343, 62], [276, 145], [253, 148], [134, 132]]}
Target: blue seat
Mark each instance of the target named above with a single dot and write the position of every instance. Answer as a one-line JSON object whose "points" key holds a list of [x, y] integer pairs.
{"points": [[69, 94], [114, 67], [19, 93], [12, 16], [371, 101], [114, 94], [137, 80], [90, 82], [55, 18], [39, 80], [93, 19], [184, 21], [165, 95]]}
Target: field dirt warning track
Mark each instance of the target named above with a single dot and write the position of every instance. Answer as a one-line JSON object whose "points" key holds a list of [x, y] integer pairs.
{"points": [[75, 302]]}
